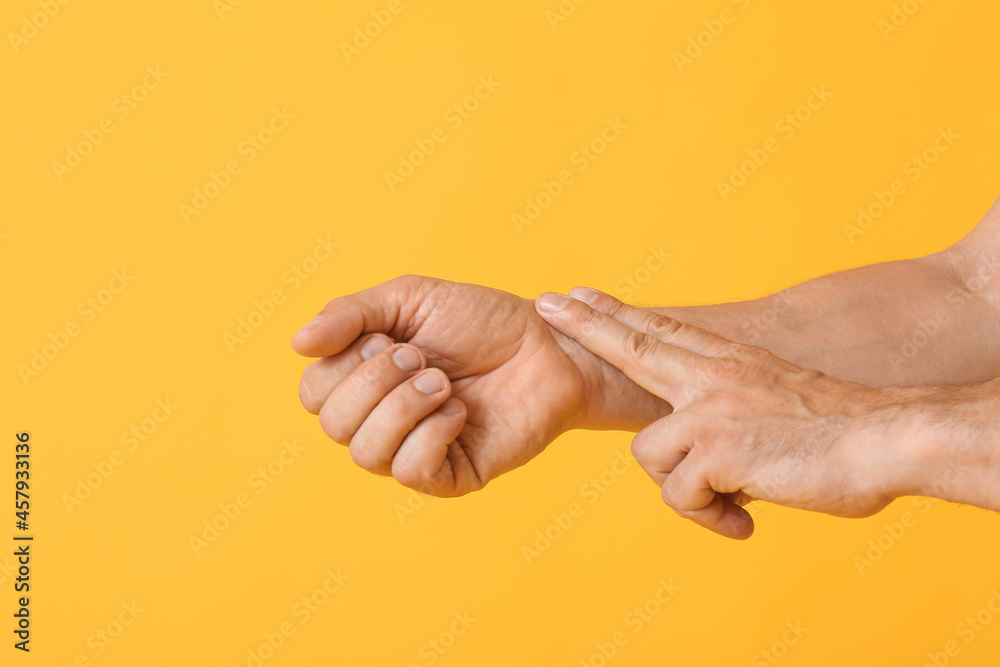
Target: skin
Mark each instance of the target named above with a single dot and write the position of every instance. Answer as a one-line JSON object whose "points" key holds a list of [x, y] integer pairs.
{"points": [[511, 380], [508, 383], [748, 425]]}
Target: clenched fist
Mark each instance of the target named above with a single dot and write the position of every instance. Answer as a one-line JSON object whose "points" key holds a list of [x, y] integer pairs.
{"points": [[447, 385]]}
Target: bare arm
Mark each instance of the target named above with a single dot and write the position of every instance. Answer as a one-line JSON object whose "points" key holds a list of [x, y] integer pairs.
{"points": [[931, 320], [749, 425], [952, 441]]}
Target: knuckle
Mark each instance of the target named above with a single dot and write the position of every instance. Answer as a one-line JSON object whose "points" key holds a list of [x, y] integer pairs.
{"points": [[375, 369], [407, 279], [586, 319], [379, 363], [311, 380], [409, 475], [609, 304], [413, 285], [305, 397], [728, 369], [641, 449], [669, 492], [753, 352], [640, 346], [364, 455], [334, 426], [397, 408], [662, 326], [734, 349]]}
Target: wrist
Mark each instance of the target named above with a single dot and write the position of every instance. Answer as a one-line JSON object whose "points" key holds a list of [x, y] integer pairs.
{"points": [[610, 400]]}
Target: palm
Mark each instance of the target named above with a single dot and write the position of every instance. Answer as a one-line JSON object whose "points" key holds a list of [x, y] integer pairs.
{"points": [[513, 372]]}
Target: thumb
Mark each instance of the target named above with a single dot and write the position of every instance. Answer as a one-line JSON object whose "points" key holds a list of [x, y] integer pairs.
{"points": [[343, 320]]}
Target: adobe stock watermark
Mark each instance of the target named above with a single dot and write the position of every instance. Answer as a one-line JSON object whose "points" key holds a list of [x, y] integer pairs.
{"points": [[417, 499], [777, 480], [590, 492], [223, 7], [258, 481], [637, 278], [900, 15], [786, 127], [132, 439], [30, 25], [248, 150], [580, 161], [7, 569], [87, 310], [894, 531], [293, 278], [635, 620], [713, 29], [913, 168], [105, 637], [773, 654], [758, 324], [433, 649], [562, 13], [365, 33], [954, 301], [966, 632], [302, 611], [454, 118], [121, 108]]}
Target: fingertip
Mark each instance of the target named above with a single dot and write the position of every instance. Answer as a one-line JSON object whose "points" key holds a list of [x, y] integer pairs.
{"points": [[407, 358], [339, 324], [721, 516], [302, 340], [585, 294], [736, 522], [305, 397], [452, 406], [374, 344], [431, 381], [332, 427], [550, 303], [297, 342]]}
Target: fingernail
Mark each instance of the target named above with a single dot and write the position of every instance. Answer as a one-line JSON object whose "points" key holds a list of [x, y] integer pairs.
{"points": [[428, 383], [406, 359], [373, 346], [312, 324], [451, 407], [585, 294], [551, 302]]}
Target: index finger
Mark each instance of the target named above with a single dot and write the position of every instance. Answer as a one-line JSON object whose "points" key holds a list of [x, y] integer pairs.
{"points": [[663, 369]]}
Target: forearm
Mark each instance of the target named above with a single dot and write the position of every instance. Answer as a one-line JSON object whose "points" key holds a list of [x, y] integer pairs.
{"points": [[926, 321], [914, 322], [950, 442]]}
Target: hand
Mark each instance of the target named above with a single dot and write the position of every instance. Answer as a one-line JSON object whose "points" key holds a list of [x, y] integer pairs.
{"points": [[487, 387], [746, 425]]}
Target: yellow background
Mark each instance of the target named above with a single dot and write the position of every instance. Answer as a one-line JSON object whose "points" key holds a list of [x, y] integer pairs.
{"points": [[163, 335]]}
